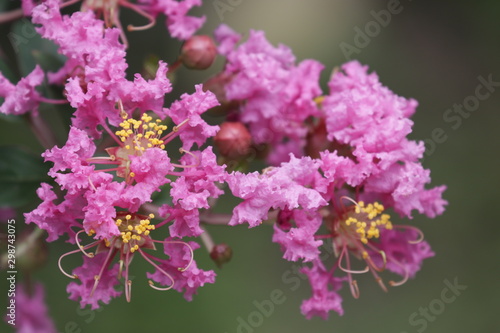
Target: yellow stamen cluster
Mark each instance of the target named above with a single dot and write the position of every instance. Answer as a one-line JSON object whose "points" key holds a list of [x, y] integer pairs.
{"points": [[319, 100], [368, 220], [131, 230], [141, 134]]}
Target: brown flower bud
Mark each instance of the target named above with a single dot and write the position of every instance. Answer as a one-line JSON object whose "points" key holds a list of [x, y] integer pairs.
{"points": [[198, 52], [233, 140], [221, 254]]}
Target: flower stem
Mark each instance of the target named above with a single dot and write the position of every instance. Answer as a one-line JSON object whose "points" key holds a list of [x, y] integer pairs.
{"points": [[11, 16], [41, 130], [215, 218], [207, 240]]}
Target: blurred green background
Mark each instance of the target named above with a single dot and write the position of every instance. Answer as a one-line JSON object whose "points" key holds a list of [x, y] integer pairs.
{"points": [[431, 51]]}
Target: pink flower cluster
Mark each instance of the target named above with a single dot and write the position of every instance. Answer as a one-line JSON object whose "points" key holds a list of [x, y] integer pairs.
{"points": [[104, 195], [349, 161], [338, 161], [278, 95]]}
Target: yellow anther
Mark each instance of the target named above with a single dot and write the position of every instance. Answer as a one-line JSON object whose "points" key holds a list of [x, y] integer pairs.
{"points": [[132, 174], [367, 227], [128, 217], [127, 147], [151, 216], [130, 228], [319, 100]]}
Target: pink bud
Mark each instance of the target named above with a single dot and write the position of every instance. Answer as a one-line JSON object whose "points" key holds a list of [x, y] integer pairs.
{"points": [[233, 139], [198, 52]]}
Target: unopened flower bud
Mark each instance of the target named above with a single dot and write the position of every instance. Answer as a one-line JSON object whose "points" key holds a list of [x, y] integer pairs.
{"points": [[284, 219], [233, 140], [221, 254], [198, 52]]}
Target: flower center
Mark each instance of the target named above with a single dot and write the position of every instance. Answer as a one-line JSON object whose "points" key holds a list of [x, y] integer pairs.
{"points": [[134, 232], [366, 221], [137, 136]]}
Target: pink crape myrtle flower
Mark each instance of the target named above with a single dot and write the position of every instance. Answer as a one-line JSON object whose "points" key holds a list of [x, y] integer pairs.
{"points": [[363, 165], [95, 70], [325, 287], [103, 196], [281, 188], [31, 311], [22, 97], [276, 95], [366, 116], [178, 22]]}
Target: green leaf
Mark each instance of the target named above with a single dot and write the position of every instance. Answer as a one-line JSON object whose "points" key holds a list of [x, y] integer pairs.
{"points": [[20, 175], [30, 46]]}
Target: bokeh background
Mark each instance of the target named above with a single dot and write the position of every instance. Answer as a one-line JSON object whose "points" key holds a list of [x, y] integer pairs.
{"points": [[431, 51]]}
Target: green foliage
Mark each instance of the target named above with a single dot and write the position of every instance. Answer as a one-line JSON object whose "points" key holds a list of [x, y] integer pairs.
{"points": [[21, 173]]}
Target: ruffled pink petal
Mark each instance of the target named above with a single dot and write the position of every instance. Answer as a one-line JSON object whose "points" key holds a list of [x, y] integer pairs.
{"points": [[403, 257], [56, 219], [22, 97], [186, 223], [105, 290], [190, 107], [300, 243], [281, 187], [324, 288], [186, 281]]}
